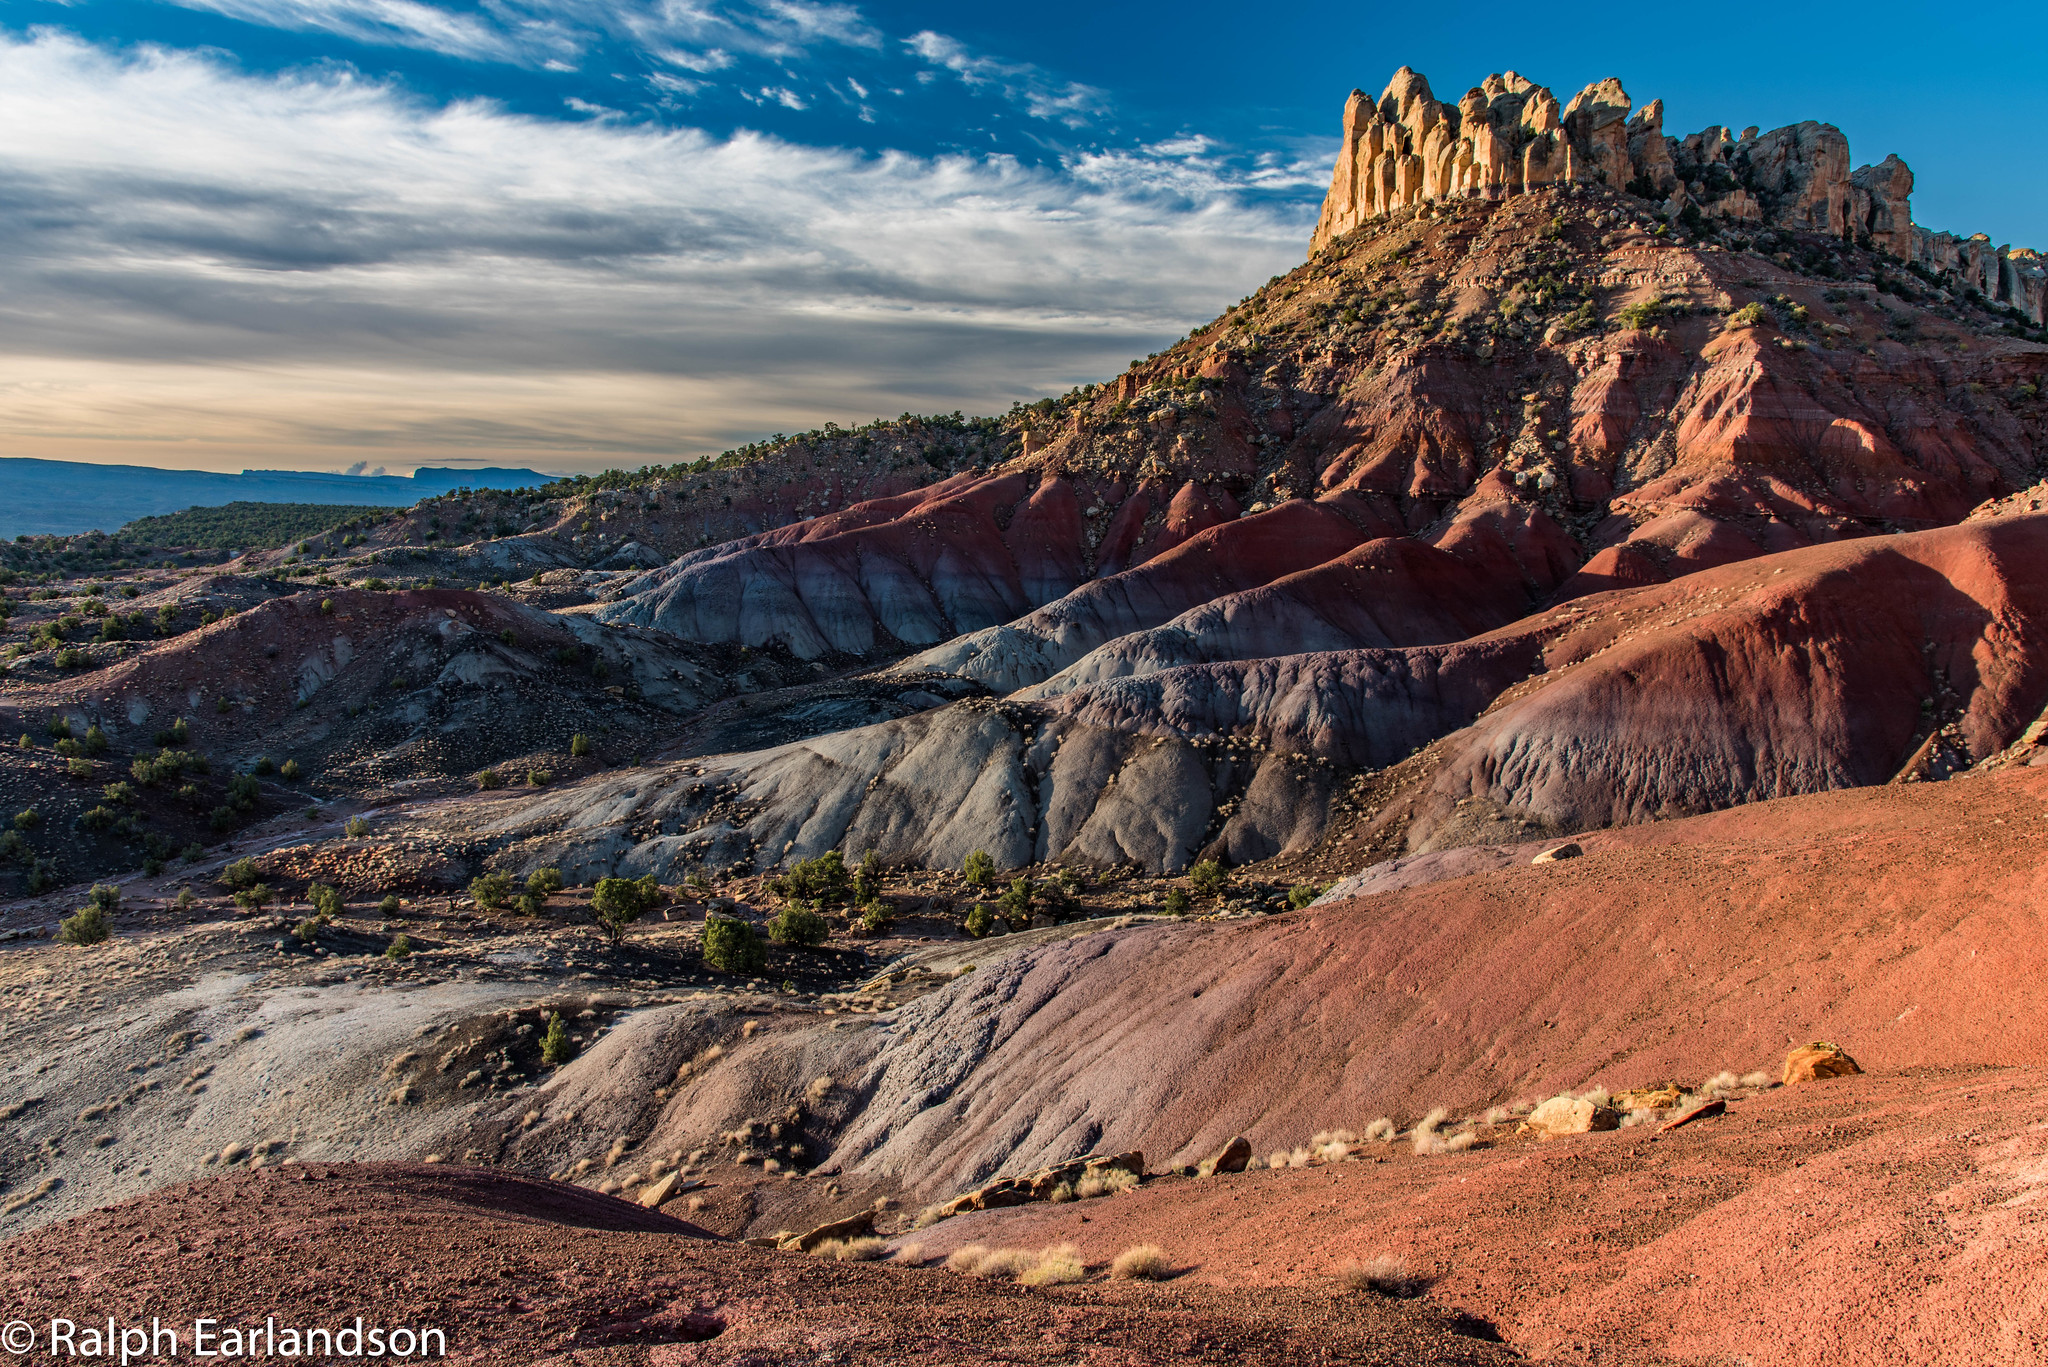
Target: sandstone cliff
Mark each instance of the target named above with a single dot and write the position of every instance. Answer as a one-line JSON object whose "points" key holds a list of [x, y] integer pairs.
{"points": [[1510, 136]]}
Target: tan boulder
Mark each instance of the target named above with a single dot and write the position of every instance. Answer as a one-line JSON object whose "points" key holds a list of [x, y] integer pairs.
{"points": [[1569, 850], [1648, 1098], [1810, 1062], [1566, 1115], [855, 1226], [654, 1194], [1235, 1156]]}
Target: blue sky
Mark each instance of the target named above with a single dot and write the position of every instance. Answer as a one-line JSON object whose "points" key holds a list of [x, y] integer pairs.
{"points": [[570, 233]]}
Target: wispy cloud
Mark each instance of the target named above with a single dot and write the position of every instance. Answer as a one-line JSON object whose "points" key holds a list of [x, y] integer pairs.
{"points": [[1040, 94], [212, 265], [556, 32]]}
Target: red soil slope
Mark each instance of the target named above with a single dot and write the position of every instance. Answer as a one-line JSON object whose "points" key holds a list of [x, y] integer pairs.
{"points": [[532, 1273], [1903, 921], [1859, 1222]]}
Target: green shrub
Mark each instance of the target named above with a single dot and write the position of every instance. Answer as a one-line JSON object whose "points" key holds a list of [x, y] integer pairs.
{"points": [[556, 1048], [243, 873], [255, 897], [1644, 312], [618, 902], [399, 948], [797, 924], [979, 921], [263, 766], [544, 883], [243, 791], [59, 727], [27, 819], [306, 932], [491, 889], [875, 917], [324, 899], [823, 881], [357, 828], [70, 658], [290, 772], [390, 905], [1749, 316], [105, 896], [1178, 902], [488, 778], [539, 778], [730, 945], [97, 818], [186, 901], [579, 745], [1209, 878], [88, 926], [1301, 894], [867, 880], [980, 870], [193, 853], [1017, 900]]}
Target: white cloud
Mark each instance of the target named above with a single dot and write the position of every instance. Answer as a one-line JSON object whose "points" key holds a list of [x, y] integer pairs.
{"points": [[552, 33], [1042, 96], [208, 266]]}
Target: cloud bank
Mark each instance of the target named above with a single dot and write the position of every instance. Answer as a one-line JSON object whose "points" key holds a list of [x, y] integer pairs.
{"points": [[209, 267]]}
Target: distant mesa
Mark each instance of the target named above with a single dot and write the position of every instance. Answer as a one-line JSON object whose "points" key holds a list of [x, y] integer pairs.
{"points": [[64, 498], [1509, 135]]}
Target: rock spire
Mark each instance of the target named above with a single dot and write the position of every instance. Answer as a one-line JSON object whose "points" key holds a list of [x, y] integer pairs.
{"points": [[1509, 135]]}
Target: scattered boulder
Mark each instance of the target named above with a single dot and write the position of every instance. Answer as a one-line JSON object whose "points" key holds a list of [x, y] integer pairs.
{"points": [[654, 1193], [1811, 1062], [1234, 1158], [1569, 850], [856, 1226], [1567, 1115], [1040, 1185], [1661, 1098]]}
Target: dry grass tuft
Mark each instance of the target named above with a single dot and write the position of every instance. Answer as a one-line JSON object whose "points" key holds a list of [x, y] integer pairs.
{"points": [[865, 1250], [1720, 1082], [967, 1257], [1278, 1160], [1062, 1193], [1055, 1266], [1498, 1115], [1424, 1136], [1107, 1183], [1007, 1263], [1385, 1275], [1757, 1080], [910, 1255], [1142, 1263]]}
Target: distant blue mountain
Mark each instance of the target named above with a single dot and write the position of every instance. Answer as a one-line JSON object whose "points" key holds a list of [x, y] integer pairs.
{"points": [[64, 497]]}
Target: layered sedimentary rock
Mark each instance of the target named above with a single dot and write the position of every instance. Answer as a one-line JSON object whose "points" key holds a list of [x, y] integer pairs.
{"points": [[1510, 136]]}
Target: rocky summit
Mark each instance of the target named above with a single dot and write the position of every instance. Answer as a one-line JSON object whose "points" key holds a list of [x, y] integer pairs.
{"points": [[1478, 807]]}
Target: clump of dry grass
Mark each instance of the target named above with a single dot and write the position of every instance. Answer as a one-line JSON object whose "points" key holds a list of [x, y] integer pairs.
{"points": [[1723, 1081], [1143, 1263], [1754, 1081], [1279, 1159], [1047, 1267], [1424, 1136], [1382, 1130], [1385, 1275], [967, 1257], [1062, 1193], [1055, 1266], [865, 1250], [1105, 1183], [910, 1255]]}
